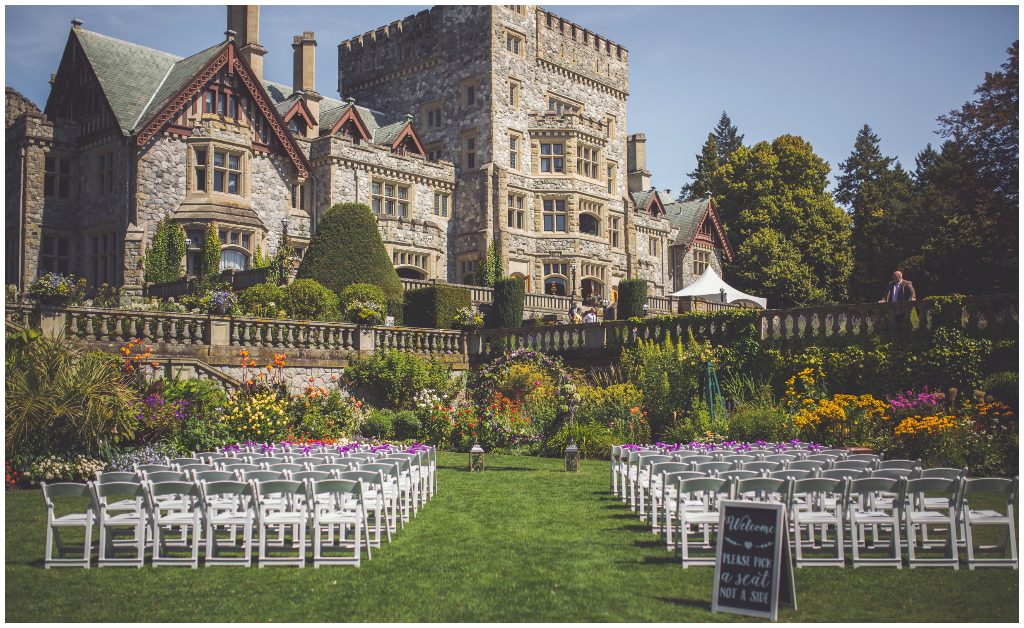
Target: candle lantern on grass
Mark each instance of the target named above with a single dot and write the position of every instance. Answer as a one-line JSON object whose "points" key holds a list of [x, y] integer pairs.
{"points": [[476, 458]]}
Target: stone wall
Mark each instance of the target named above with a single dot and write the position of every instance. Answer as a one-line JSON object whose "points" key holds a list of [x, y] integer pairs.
{"points": [[16, 105], [429, 60], [681, 264], [345, 172]]}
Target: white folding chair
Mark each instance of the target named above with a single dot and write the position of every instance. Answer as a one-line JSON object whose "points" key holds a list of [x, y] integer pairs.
{"points": [[817, 503], [170, 506], [709, 491], [972, 518], [115, 518], [866, 508], [281, 504], [343, 510], [918, 515], [228, 506], [55, 523]]}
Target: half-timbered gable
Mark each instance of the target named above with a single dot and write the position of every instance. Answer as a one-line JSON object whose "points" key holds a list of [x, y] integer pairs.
{"points": [[699, 241]]}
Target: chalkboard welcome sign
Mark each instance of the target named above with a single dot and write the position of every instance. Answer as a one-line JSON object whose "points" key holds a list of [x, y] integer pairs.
{"points": [[752, 562]]}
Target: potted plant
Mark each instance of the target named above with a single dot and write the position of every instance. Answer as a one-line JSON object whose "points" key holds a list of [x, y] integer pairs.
{"points": [[364, 312], [468, 319], [220, 302], [55, 289]]}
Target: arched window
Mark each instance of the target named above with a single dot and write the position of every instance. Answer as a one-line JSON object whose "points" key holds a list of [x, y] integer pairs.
{"points": [[590, 224], [555, 285], [233, 259]]}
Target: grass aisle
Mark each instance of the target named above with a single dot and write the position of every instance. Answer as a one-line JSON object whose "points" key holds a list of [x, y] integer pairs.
{"points": [[523, 541]]}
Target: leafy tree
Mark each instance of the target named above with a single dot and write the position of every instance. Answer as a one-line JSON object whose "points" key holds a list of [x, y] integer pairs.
{"points": [[988, 129], [982, 174], [347, 249], [780, 186]]}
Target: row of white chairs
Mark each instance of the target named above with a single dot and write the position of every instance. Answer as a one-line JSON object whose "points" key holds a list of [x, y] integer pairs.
{"points": [[198, 506], [911, 509]]}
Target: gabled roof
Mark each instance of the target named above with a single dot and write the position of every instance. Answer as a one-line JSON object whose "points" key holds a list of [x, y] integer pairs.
{"points": [[646, 198], [129, 74], [181, 73], [687, 216]]}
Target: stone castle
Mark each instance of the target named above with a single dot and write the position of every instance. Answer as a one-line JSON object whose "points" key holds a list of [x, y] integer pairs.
{"points": [[463, 127]]}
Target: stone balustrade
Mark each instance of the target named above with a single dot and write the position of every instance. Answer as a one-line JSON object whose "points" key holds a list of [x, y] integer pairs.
{"points": [[329, 345]]}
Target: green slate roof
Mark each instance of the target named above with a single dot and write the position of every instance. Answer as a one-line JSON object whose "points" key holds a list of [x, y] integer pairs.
{"points": [[685, 216], [183, 70], [130, 74], [139, 81], [642, 199]]}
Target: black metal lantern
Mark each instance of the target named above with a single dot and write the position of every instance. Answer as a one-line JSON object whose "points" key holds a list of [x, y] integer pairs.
{"points": [[476, 458], [572, 457]]}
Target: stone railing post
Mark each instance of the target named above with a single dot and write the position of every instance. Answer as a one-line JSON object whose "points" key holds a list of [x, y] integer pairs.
{"points": [[595, 337], [52, 322], [218, 331], [365, 339], [474, 343]]}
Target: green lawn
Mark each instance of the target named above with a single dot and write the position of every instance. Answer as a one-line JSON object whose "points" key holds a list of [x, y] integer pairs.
{"points": [[523, 541]]}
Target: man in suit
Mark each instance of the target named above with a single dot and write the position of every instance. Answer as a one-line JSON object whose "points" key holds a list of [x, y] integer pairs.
{"points": [[899, 290]]}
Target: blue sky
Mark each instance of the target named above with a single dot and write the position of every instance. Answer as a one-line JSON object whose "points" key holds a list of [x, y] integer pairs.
{"points": [[817, 72]]}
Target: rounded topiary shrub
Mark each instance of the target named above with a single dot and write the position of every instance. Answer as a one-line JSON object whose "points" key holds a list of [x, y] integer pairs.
{"points": [[632, 298], [406, 425], [365, 292], [507, 309], [379, 424], [347, 249], [306, 299], [262, 300]]}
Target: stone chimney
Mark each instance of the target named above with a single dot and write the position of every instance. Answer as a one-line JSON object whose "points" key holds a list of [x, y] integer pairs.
{"points": [[304, 76], [637, 176], [245, 21]]}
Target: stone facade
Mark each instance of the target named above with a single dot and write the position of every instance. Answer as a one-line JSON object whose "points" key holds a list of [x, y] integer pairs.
{"points": [[506, 127], [537, 81]]}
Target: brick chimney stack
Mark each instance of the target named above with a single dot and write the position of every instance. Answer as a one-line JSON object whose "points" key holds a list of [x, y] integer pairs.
{"points": [[245, 21], [637, 175], [304, 76]]}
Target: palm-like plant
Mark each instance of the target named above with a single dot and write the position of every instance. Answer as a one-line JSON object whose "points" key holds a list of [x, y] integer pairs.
{"points": [[61, 398]]}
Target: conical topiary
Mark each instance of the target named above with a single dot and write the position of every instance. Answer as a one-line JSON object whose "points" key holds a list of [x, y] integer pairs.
{"points": [[347, 249]]}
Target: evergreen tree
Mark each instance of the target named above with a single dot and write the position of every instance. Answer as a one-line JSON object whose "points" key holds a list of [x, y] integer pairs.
{"points": [[211, 254], [789, 234], [347, 249], [701, 179], [864, 165], [155, 263], [162, 262], [728, 139], [877, 194]]}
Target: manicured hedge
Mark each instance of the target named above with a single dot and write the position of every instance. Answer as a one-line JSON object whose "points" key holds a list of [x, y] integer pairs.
{"points": [[347, 249], [435, 306], [632, 298], [507, 309]]}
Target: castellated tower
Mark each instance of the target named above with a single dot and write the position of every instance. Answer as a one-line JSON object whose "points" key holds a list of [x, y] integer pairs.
{"points": [[532, 110]]}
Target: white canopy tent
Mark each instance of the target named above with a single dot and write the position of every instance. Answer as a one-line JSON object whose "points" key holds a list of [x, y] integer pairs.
{"points": [[710, 287]]}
